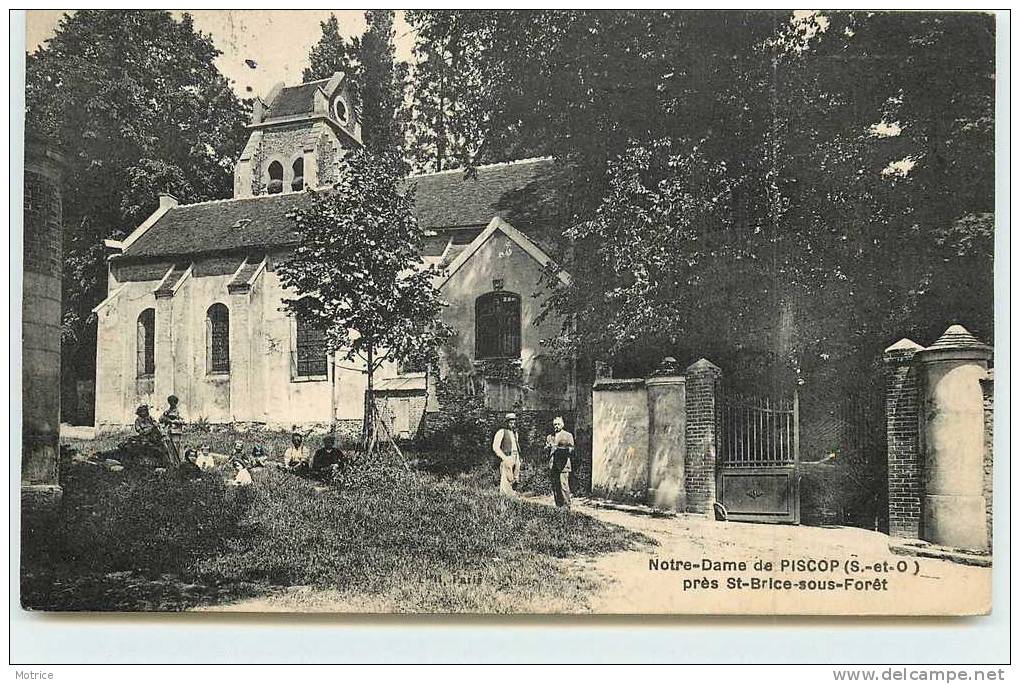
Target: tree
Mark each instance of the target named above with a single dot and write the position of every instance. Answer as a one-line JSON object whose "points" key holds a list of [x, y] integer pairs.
{"points": [[833, 174], [134, 101], [381, 85], [450, 87], [331, 53], [357, 271]]}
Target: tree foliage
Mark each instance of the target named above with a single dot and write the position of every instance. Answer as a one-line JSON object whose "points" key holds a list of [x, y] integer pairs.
{"points": [[331, 53], [357, 270], [774, 190], [382, 85], [376, 82], [135, 103]]}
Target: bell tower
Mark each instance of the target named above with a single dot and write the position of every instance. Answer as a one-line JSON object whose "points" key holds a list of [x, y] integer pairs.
{"points": [[297, 135]]}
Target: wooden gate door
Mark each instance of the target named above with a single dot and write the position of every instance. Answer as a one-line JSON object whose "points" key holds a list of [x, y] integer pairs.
{"points": [[759, 479]]}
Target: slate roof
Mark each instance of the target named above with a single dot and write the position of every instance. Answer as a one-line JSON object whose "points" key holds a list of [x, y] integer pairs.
{"points": [[222, 225], [519, 192], [449, 199], [294, 100]]}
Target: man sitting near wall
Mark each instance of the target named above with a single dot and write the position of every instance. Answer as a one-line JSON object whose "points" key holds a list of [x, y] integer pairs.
{"points": [[328, 461], [296, 457]]}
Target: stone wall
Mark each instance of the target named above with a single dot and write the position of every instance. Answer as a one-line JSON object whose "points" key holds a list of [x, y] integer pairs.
{"points": [[654, 441], [619, 453]]}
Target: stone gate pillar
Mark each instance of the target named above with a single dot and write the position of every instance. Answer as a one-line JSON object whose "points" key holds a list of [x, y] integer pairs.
{"points": [[40, 363], [952, 407], [702, 430], [903, 439], [667, 446]]}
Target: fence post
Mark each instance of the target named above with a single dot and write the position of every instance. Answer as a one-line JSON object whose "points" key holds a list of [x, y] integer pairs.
{"points": [[903, 450], [702, 435]]}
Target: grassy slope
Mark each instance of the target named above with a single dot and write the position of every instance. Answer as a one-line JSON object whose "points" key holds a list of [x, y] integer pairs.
{"points": [[391, 540]]}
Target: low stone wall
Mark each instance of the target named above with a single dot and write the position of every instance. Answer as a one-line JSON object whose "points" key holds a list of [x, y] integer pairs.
{"points": [[620, 440], [654, 440]]}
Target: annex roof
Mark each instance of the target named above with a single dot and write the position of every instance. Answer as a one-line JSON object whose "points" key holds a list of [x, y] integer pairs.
{"points": [[499, 225]]}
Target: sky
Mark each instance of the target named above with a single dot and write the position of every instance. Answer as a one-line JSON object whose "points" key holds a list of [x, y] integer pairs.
{"points": [[277, 40]]}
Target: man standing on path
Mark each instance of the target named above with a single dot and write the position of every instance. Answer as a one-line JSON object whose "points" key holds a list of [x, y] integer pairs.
{"points": [[560, 445], [506, 446]]}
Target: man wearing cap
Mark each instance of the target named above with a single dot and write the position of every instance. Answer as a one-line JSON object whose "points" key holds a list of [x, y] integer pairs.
{"points": [[506, 446]]}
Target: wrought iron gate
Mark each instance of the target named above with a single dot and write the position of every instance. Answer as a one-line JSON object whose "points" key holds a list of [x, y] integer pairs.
{"points": [[760, 455]]}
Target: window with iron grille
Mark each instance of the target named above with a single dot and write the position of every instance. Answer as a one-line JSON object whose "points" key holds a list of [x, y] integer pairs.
{"points": [[498, 326], [147, 343], [310, 354], [218, 338]]}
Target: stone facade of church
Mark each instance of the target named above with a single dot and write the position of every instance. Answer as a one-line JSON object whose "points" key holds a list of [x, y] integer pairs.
{"points": [[194, 305]]}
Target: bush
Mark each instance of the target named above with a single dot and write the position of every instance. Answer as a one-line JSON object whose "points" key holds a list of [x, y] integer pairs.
{"points": [[458, 439]]}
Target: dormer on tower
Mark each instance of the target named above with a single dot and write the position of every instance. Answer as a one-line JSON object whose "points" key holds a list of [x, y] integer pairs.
{"points": [[296, 136]]}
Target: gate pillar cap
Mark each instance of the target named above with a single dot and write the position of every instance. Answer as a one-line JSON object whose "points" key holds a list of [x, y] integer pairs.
{"points": [[956, 343], [703, 365], [669, 367], [902, 351]]}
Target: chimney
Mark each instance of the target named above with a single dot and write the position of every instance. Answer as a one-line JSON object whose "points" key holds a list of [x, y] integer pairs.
{"points": [[167, 201], [258, 111]]}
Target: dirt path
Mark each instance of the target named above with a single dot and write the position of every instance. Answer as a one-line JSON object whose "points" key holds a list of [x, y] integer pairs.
{"points": [[634, 585]]}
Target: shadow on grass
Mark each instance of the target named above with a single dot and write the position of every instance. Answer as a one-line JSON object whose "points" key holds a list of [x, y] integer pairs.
{"points": [[136, 540]]}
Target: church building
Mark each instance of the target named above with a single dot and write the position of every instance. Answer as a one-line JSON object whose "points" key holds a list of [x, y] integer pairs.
{"points": [[194, 303]]}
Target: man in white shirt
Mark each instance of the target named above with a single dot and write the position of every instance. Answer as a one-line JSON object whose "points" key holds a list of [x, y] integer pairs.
{"points": [[506, 446], [296, 457]]}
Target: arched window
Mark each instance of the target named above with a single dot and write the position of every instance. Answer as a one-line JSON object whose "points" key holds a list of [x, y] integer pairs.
{"points": [[299, 175], [147, 343], [498, 326], [310, 351], [217, 339], [275, 178]]}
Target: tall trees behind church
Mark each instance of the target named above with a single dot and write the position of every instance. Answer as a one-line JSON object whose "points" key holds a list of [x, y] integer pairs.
{"points": [[375, 79], [137, 107], [841, 162], [331, 53]]}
